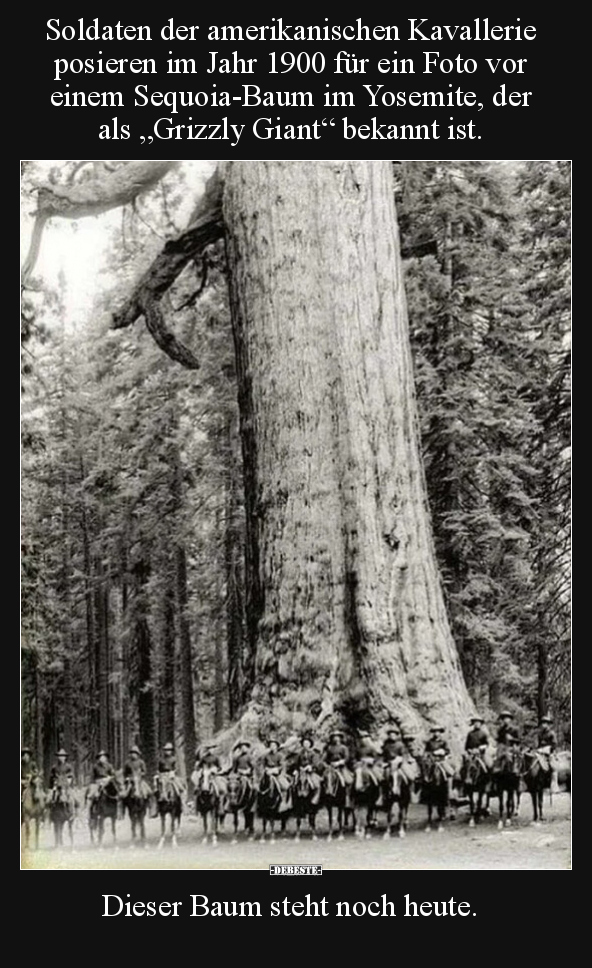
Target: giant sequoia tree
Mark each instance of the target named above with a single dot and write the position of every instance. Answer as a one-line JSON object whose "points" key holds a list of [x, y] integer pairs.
{"points": [[345, 615]]}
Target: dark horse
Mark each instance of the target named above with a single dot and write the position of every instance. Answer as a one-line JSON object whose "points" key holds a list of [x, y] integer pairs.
{"points": [[241, 798], [537, 777], [210, 801], [169, 801], [271, 804], [306, 799], [336, 794], [435, 789], [476, 781], [32, 807], [399, 777], [506, 779], [103, 804], [62, 810], [367, 796], [136, 797]]}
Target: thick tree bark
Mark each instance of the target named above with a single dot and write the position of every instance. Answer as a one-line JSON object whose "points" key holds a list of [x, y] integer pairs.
{"points": [[346, 615]]}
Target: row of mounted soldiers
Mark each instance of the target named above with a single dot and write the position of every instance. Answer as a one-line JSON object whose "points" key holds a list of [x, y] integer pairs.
{"points": [[305, 753]]}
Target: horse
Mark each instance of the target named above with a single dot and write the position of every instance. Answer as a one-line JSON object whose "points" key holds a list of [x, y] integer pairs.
{"points": [[168, 801], [103, 799], [210, 800], [306, 797], [272, 804], [506, 780], [367, 795], [435, 788], [476, 781], [33, 800], [241, 798], [62, 810], [136, 797], [397, 784], [537, 777], [336, 795]]}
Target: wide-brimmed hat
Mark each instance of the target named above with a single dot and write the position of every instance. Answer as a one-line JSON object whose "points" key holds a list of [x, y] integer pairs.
{"points": [[136, 749], [336, 732], [61, 752], [546, 719], [476, 719], [505, 715], [100, 753], [167, 747], [26, 749], [436, 729], [407, 735]]}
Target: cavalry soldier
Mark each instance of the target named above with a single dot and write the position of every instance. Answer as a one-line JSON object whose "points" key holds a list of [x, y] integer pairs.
{"points": [[167, 765], [242, 761], [547, 744], [101, 771], [436, 743], [308, 761], [436, 746], [168, 761], [209, 765], [134, 772], [393, 745], [507, 730], [337, 756], [61, 773], [28, 765], [477, 743], [272, 763], [367, 754]]}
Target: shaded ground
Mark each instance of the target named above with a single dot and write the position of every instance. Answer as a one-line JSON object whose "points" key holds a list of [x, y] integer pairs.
{"points": [[522, 846]]}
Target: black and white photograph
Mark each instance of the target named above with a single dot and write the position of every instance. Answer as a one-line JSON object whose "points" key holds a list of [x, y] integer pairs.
{"points": [[295, 515]]}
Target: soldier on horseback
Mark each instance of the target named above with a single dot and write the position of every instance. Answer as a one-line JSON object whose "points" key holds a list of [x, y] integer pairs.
{"points": [[134, 773], [62, 773], [547, 744], [337, 757], [307, 761], [167, 769], [437, 748], [102, 771], [28, 767], [477, 743], [272, 763], [242, 761], [208, 767], [507, 730]]}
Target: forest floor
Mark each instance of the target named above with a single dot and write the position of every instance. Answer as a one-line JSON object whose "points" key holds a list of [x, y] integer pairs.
{"points": [[522, 846]]}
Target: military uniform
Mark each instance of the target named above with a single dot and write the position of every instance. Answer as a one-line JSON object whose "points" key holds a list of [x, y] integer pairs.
{"points": [[272, 763], [61, 777], [477, 743], [436, 746], [134, 773], [307, 761], [28, 767], [337, 756], [547, 744], [167, 764], [393, 747]]}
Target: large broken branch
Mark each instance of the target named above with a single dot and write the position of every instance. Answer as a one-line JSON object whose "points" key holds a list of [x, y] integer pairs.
{"points": [[92, 197], [205, 227]]}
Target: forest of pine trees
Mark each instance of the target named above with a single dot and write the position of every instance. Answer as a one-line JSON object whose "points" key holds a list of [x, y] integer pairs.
{"points": [[135, 604]]}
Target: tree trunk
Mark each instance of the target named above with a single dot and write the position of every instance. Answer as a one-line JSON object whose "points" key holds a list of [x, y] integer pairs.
{"points": [[166, 719], [346, 620], [143, 648]]}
